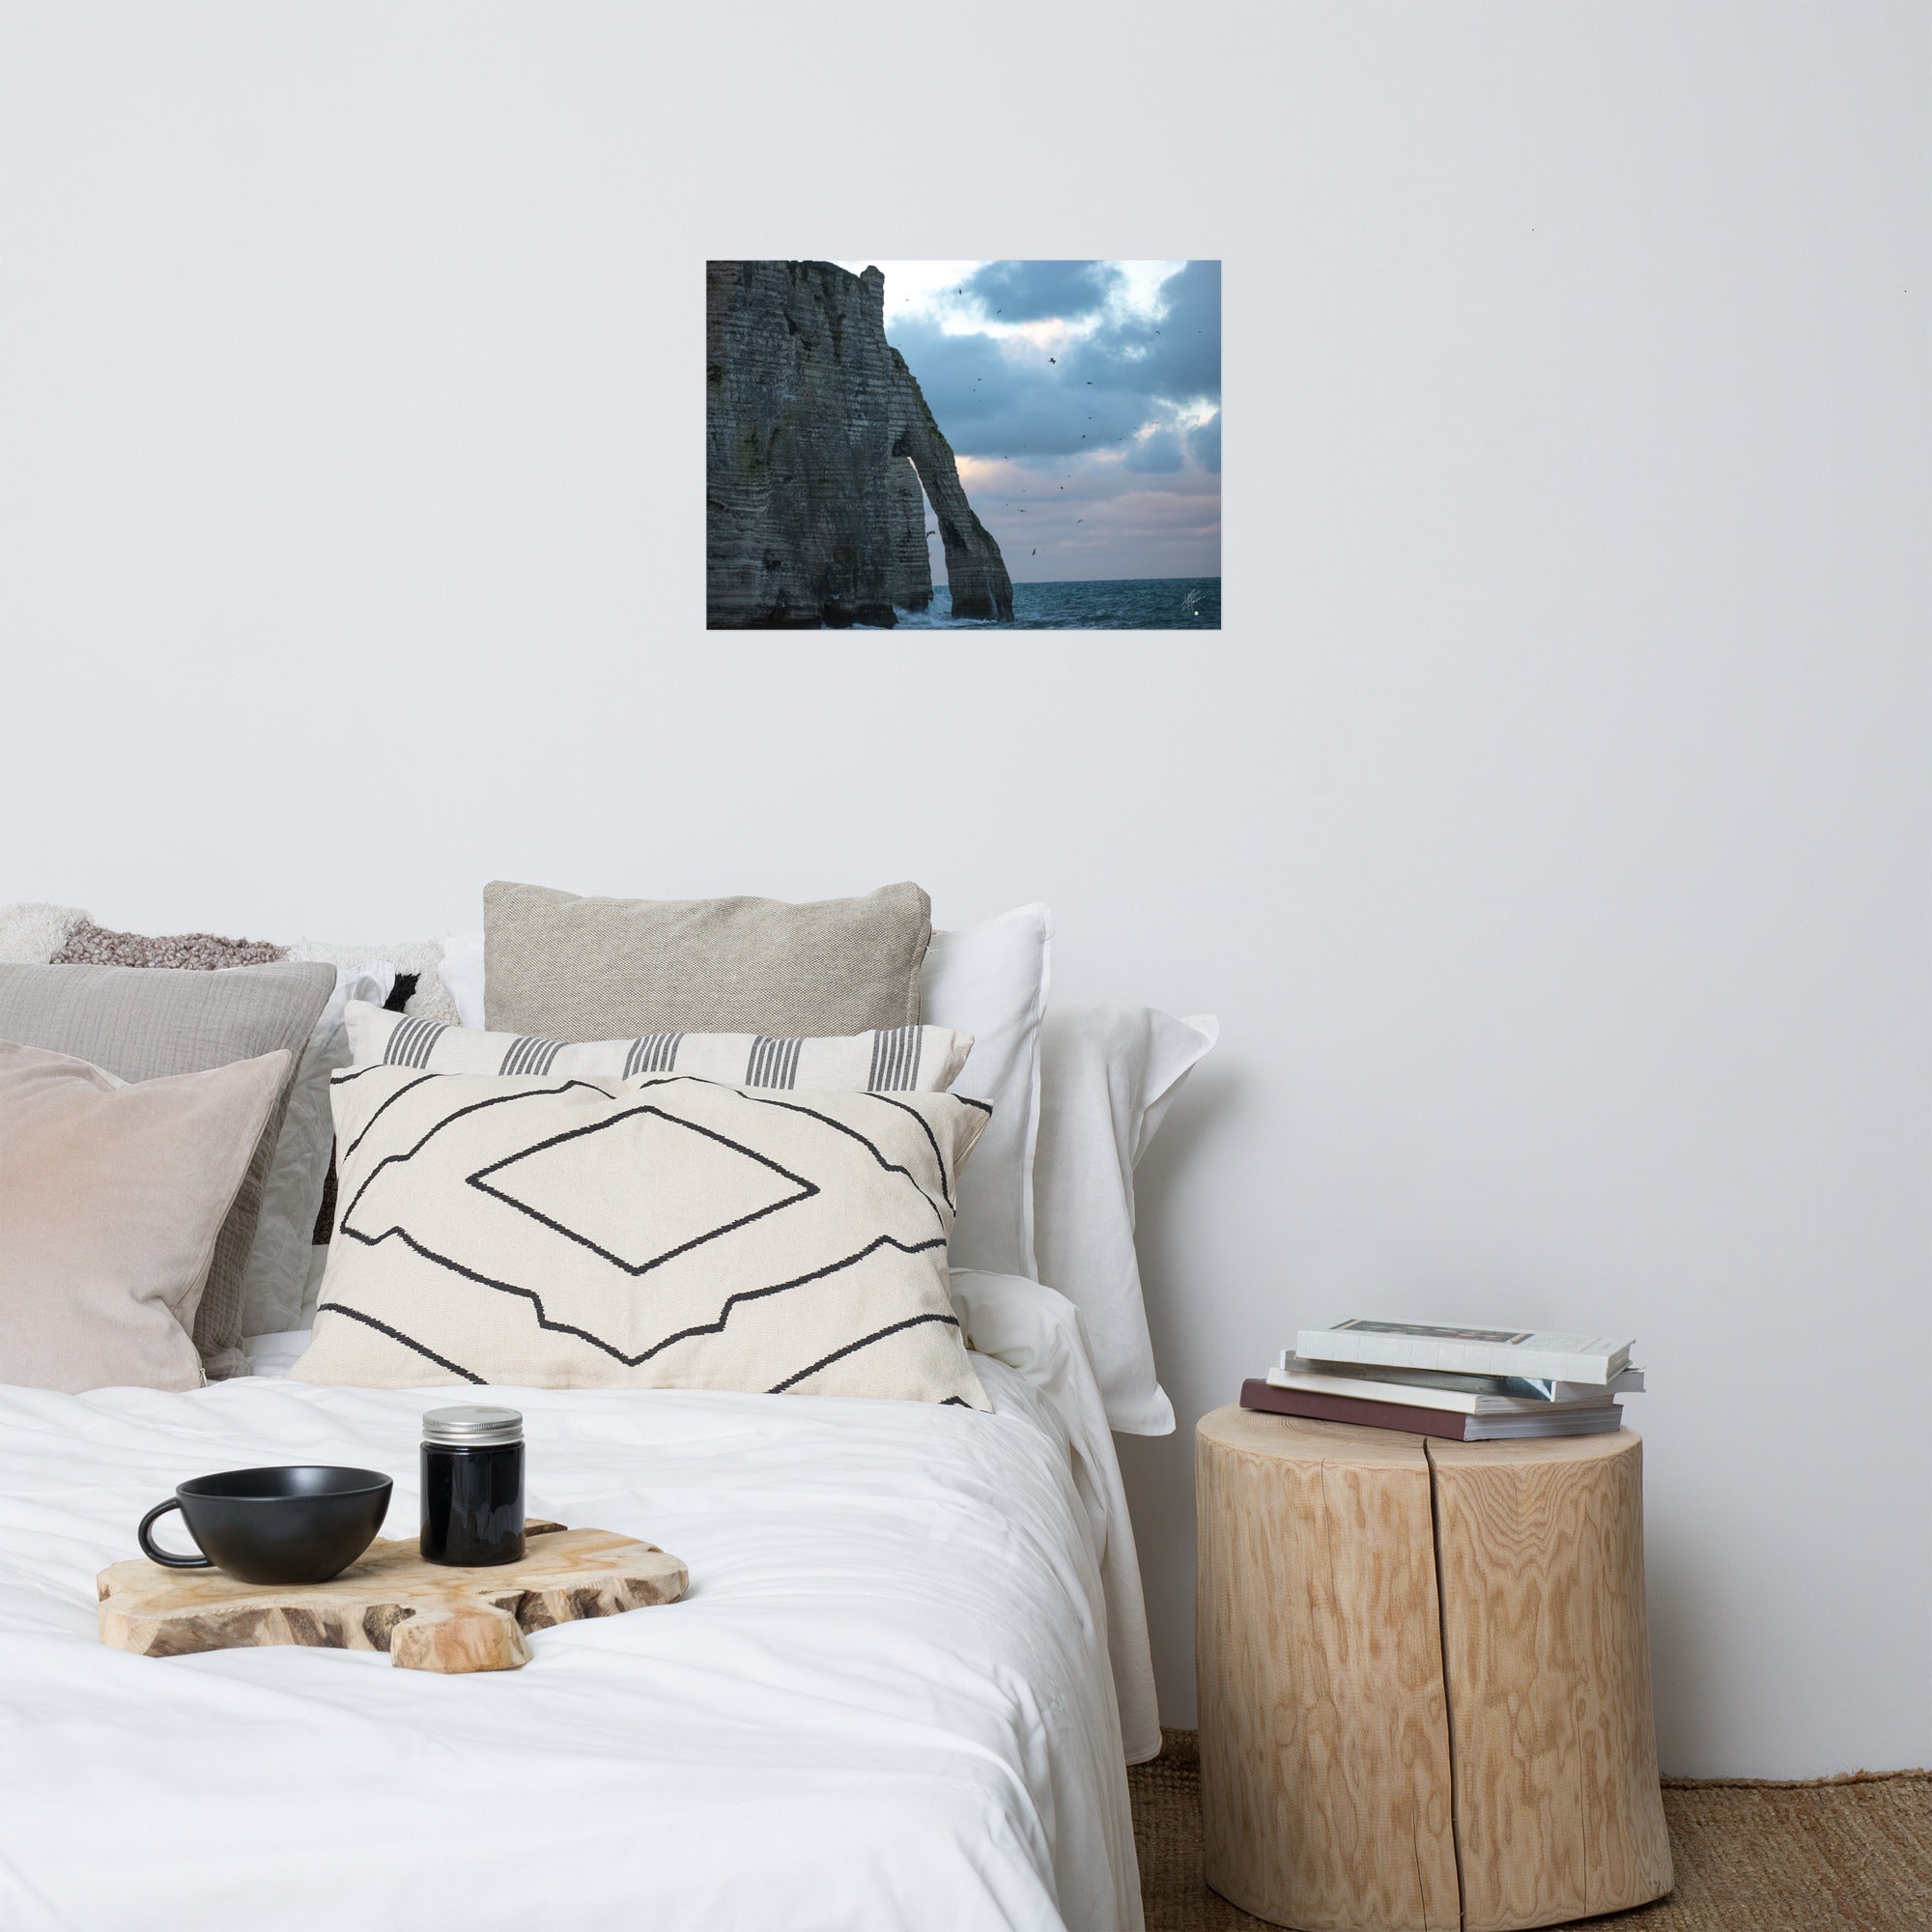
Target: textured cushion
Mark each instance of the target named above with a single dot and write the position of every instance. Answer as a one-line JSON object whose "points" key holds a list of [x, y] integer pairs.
{"points": [[569, 968], [418, 961], [91, 944], [111, 1197], [657, 1233], [924, 1059], [32, 932], [140, 1026]]}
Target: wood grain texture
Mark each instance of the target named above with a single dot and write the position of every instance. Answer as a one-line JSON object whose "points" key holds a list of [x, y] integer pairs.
{"points": [[1324, 1762], [426, 1616], [1547, 1654]]}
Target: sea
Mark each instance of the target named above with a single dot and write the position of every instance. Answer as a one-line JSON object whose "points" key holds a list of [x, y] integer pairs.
{"points": [[1103, 604]]}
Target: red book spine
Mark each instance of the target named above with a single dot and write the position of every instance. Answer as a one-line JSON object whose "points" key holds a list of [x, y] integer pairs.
{"points": [[1321, 1407]]}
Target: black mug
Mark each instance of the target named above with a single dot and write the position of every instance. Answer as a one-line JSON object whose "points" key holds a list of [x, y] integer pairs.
{"points": [[301, 1524]]}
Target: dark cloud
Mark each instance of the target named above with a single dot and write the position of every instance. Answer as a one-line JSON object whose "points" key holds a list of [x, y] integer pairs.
{"points": [[1177, 356], [1001, 396], [1156, 454], [1033, 291]]}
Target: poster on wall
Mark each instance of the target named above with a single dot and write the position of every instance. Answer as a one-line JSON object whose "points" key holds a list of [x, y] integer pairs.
{"points": [[1020, 444]]}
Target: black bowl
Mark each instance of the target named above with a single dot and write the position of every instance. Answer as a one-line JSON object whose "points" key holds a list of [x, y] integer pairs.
{"points": [[301, 1524]]}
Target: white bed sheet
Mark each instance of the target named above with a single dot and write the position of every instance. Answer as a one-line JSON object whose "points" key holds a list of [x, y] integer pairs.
{"points": [[886, 1702]]}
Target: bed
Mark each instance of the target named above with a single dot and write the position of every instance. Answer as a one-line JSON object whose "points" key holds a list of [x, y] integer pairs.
{"points": [[902, 1691]]}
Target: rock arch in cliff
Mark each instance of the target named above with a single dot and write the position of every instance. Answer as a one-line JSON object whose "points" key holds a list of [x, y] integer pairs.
{"points": [[819, 444]]}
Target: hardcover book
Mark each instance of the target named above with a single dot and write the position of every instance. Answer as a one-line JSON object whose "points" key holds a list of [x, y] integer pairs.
{"points": [[1458, 1394], [1585, 1419], [1463, 1351]]}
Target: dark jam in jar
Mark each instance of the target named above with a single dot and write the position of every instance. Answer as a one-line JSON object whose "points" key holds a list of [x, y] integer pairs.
{"points": [[472, 1485]]}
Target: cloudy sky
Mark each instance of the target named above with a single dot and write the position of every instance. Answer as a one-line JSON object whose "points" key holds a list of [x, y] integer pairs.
{"points": [[1083, 401]]}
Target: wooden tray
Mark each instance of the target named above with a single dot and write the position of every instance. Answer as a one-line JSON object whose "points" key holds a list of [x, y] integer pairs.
{"points": [[426, 1616]]}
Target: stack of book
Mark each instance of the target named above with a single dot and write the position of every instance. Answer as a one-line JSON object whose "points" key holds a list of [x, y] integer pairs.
{"points": [[1468, 1384]]}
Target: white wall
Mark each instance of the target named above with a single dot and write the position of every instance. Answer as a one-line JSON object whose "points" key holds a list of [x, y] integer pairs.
{"points": [[1548, 825]]}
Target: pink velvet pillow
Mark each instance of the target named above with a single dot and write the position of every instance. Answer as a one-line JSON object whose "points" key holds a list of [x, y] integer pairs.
{"points": [[111, 1196]]}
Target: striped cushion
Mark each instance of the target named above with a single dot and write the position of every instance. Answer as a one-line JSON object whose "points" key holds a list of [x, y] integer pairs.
{"points": [[896, 1059]]}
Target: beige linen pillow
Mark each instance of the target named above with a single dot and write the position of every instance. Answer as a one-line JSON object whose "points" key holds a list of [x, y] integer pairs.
{"points": [[140, 1025], [655, 1232], [112, 1194], [570, 968]]}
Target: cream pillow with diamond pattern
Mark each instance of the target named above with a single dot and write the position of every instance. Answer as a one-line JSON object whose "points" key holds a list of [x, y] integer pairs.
{"points": [[661, 1231]]}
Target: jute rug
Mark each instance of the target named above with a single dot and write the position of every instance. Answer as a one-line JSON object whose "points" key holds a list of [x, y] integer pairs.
{"points": [[1851, 1855]]}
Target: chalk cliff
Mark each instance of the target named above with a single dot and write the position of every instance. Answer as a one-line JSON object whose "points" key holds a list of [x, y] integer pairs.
{"points": [[817, 443]]}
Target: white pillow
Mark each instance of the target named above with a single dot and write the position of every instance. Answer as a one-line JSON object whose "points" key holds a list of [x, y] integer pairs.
{"points": [[278, 1266], [1109, 1075], [462, 974], [421, 956], [991, 980]]}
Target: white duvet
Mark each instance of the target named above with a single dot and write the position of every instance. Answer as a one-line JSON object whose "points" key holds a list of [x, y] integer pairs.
{"points": [[887, 1701]]}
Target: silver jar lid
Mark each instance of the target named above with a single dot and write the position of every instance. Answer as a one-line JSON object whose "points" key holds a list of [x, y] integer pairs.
{"points": [[473, 1428]]}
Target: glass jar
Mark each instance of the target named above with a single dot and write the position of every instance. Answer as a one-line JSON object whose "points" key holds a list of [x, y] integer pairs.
{"points": [[472, 1485]]}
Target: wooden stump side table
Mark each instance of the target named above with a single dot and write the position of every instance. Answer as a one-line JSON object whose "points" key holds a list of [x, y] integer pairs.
{"points": [[1424, 1677]]}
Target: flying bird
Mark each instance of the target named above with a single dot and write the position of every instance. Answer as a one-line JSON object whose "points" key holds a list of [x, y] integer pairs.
{"points": [[1033, 553], [1079, 520], [1053, 359], [932, 533]]}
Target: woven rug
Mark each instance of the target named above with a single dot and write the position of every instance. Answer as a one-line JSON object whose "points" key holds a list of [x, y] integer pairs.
{"points": [[1846, 1855]]}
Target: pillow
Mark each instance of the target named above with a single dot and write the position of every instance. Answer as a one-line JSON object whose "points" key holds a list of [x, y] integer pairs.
{"points": [[139, 1025], [656, 1233], [51, 935], [908, 1058], [460, 971], [91, 944], [112, 1195], [292, 1190], [1108, 1076], [31, 934], [568, 968], [278, 1259], [990, 980], [419, 959]]}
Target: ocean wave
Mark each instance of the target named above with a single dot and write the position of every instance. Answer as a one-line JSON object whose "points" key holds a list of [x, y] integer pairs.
{"points": [[1113, 603]]}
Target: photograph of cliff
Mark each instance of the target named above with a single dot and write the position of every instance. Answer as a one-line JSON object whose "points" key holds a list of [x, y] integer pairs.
{"points": [[1023, 444]]}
